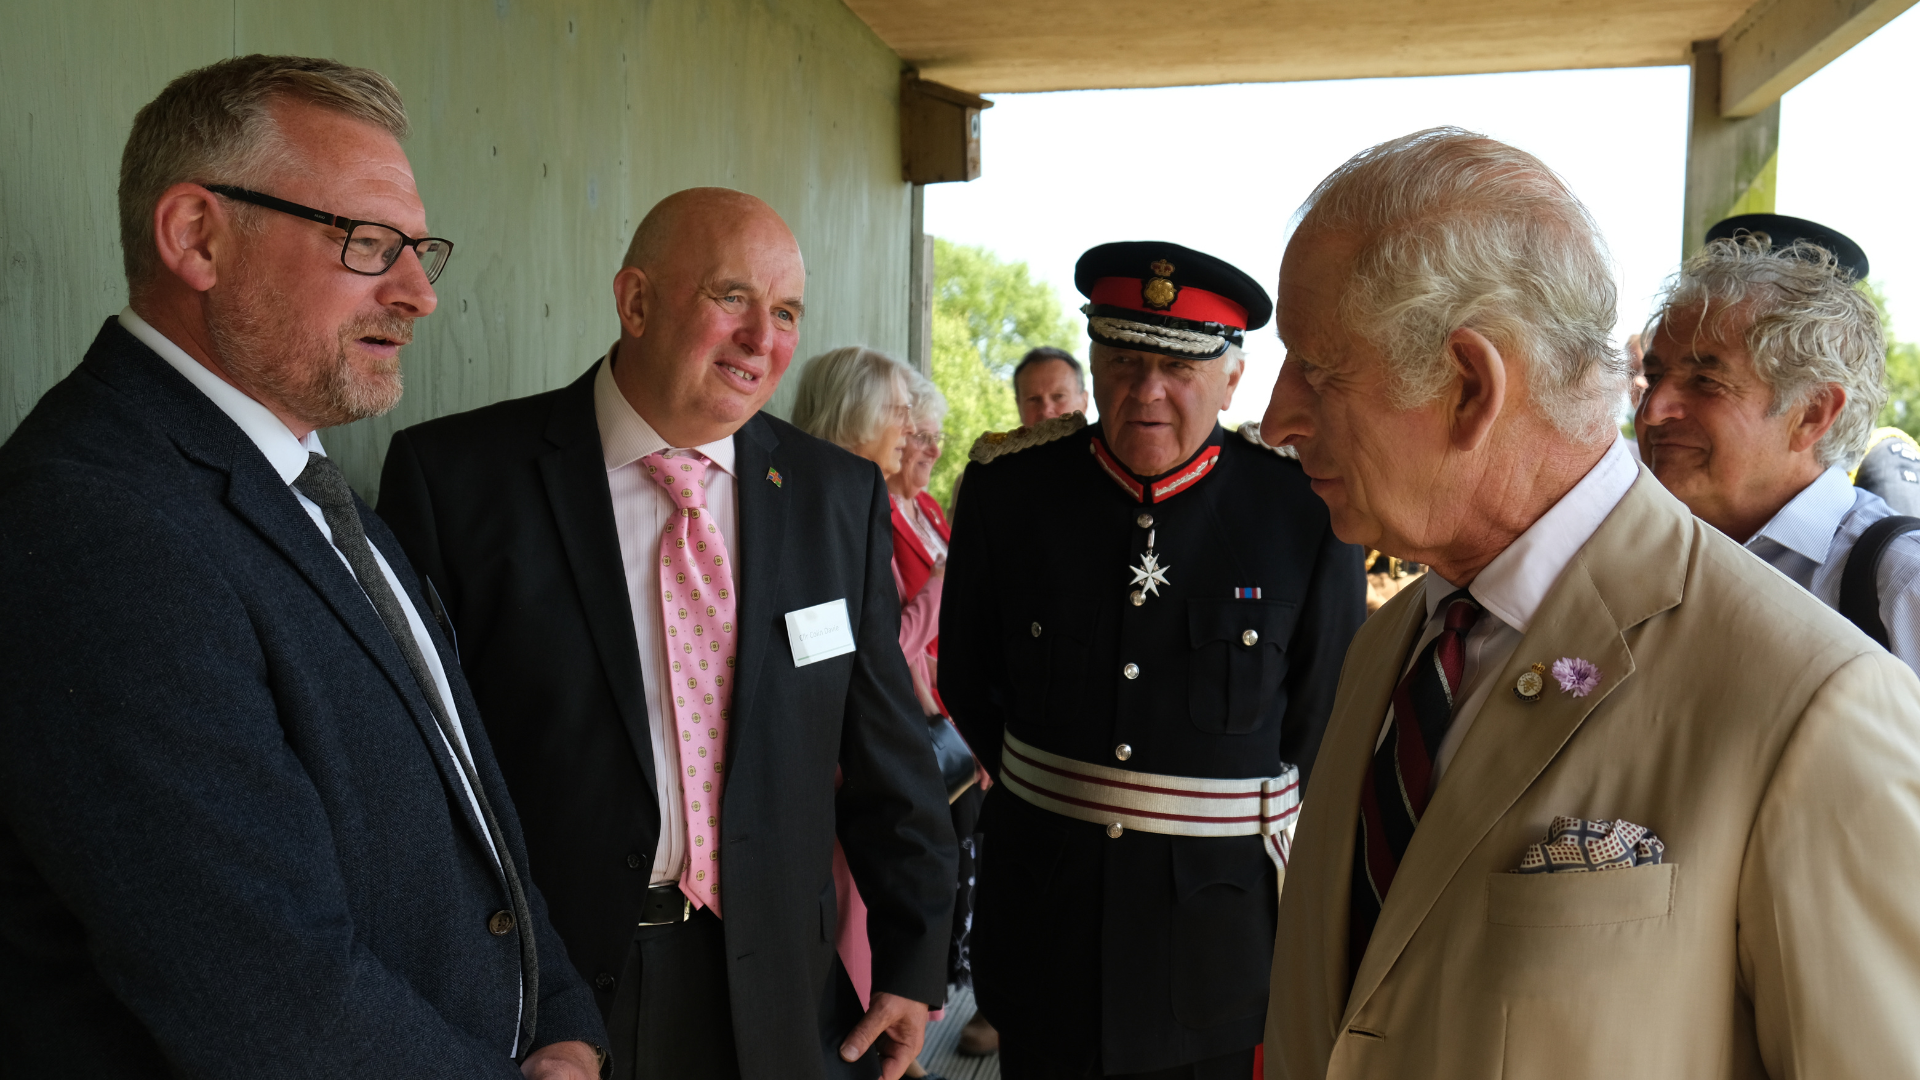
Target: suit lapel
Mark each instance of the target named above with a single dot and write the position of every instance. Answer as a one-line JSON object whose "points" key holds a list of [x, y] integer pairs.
{"points": [[763, 529], [1608, 588], [575, 474]]}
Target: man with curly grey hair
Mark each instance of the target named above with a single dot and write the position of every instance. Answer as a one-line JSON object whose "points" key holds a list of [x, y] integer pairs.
{"points": [[1578, 810], [1765, 370]]}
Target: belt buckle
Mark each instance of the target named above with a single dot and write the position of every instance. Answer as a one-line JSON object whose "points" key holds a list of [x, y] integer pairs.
{"points": [[686, 912]]}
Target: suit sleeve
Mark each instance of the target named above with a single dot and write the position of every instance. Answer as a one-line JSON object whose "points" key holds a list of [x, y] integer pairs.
{"points": [[971, 677], [1335, 607], [1829, 934], [892, 809], [145, 776]]}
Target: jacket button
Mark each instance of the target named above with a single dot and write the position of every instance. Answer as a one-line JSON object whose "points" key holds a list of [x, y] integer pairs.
{"points": [[1131, 671], [1114, 830], [1250, 638], [1036, 629], [1145, 521], [1123, 751], [500, 923], [603, 982], [1138, 598], [634, 861]]}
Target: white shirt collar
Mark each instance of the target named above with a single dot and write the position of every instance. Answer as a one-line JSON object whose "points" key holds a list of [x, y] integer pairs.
{"points": [[286, 454], [625, 435], [1517, 581], [1807, 523]]}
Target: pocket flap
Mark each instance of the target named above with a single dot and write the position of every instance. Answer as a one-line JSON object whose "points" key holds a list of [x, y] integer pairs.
{"points": [[1199, 862], [1593, 898], [1209, 621]]}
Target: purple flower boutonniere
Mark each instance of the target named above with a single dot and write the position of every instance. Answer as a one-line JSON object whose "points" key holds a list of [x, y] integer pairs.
{"points": [[1576, 676]]}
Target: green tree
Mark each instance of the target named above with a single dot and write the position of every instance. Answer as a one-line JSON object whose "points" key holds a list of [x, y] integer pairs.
{"points": [[1903, 373], [986, 314]]}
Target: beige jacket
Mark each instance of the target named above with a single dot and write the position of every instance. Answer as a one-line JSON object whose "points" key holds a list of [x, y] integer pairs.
{"points": [[1773, 747]]}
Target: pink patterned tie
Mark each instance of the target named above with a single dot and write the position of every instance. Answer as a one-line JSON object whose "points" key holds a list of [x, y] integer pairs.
{"points": [[696, 595]]}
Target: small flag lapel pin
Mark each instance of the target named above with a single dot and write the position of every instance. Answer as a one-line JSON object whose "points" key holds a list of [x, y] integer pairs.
{"points": [[1246, 594], [773, 474]]}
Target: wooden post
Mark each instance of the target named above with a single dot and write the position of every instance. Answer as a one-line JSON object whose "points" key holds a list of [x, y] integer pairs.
{"points": [[1731, 162], [920, 288]]}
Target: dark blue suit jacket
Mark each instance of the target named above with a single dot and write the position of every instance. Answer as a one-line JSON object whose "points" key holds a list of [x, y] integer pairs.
{"points": [[234, 843]]}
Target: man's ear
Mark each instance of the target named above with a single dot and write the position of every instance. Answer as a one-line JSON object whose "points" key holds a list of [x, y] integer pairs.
{"points": [[1482, 389], [1233, 383], [630, 299], [1816, 417], [190, 227]]}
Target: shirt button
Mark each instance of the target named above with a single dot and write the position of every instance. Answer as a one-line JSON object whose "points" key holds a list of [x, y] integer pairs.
{"points": [[1145, 521], [1035, 629], [500, 923], [1131, 671], [1114, 830], [634, 861], [1123, 751], [1250, 638], [603, 982]]}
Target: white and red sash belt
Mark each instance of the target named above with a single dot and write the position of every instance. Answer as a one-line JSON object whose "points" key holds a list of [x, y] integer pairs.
{"points": [[1268, 807]]}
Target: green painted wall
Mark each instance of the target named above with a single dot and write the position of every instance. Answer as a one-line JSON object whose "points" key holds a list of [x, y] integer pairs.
{"points": [[543, 131]]}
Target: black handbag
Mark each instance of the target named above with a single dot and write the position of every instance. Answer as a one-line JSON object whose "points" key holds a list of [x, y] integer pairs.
{"points": [[955, 758]]}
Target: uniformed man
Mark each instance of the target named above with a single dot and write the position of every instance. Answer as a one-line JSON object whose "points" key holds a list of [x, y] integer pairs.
{"points": [[1766, 369], [1143, 627]]}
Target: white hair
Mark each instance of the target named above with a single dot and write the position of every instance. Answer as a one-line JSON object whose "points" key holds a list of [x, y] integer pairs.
{"points": [[846, 394], [929, 404], [1801, 320], [1459, 230]]}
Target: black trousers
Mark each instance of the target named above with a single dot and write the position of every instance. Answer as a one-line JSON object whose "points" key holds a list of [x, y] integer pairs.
{"points": [[672, 1018], [1020, 1061]]}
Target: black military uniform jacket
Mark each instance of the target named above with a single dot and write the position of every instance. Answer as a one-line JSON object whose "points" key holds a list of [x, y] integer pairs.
{"points": [[1148, 950]]}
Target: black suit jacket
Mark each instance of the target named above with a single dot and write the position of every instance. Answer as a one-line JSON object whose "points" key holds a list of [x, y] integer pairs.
{"points": [[1152, 950], [507, 510], [235, 844]]}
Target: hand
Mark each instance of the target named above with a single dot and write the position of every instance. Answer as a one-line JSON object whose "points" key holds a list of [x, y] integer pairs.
{"points": [[899, 1025], [569, 1061], [940, 567]]}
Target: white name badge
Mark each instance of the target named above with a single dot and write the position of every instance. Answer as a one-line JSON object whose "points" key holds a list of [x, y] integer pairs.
{"points": [[819, 632]]}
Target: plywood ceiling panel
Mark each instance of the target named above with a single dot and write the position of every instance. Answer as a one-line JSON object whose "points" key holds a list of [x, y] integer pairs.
{"points": [[989, 46]]}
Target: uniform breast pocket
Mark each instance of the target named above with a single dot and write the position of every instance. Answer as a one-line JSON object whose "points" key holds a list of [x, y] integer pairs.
{"points": [[1045, 657], [1238, 661]]}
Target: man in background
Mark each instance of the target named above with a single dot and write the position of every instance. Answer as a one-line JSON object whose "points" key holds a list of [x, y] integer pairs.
{"points": [[253, 825], [1048, 382], [1766, 369], [680, 617]]}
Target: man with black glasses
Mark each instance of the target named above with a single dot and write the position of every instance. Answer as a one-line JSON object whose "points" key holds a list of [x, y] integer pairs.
{"points": [[251, 822]]}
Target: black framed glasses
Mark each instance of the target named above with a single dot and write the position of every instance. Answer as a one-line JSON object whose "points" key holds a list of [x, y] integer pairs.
{"points": [[370, 248]]}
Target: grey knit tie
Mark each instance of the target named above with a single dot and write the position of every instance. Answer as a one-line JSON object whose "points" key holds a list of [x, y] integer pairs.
{"points": [[322, 482]]}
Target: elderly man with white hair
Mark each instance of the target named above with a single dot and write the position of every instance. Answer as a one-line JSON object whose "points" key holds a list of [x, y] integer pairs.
{"points": [[1605, 796], [1765, 370]]}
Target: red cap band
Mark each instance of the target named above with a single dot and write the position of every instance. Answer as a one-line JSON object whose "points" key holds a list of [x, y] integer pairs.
{"points": [[1198, 305]]}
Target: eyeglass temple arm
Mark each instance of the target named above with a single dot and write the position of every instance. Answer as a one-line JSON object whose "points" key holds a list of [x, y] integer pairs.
{"points": [[282, 205]]}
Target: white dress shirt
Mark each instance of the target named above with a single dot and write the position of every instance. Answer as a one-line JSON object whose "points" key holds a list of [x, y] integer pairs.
{"points": [[1512, 587], [1811, 536], [288, 456], [641, 508]]}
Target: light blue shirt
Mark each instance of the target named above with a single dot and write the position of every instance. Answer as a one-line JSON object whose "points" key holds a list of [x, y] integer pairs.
{"points": [[1811, 536]]}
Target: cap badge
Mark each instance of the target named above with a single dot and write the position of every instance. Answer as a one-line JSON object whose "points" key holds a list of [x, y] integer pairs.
{"points": [[1159, 292]]}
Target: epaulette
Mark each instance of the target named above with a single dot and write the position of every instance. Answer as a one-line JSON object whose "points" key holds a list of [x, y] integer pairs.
{"points": [[1250, 431], [995, 444]]}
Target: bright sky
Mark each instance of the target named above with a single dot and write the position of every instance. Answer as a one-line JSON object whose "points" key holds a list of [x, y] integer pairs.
{"points": [[1222, 168]]}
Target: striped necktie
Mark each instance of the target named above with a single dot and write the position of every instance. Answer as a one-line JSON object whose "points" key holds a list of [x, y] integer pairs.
{"points": [[1400, 783]]}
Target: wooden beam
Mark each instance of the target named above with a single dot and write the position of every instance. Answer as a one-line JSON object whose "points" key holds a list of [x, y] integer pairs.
{"points": [[1731, 162], [1778, 43]]}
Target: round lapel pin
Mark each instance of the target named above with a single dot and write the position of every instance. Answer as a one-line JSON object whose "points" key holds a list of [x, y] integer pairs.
{"points": [[1530, 683]]}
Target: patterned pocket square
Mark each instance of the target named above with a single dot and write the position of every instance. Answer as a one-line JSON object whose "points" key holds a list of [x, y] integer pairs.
{"points": [[1574, 845]]}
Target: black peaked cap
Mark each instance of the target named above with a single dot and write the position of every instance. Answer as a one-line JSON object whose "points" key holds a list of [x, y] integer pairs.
{"points": [[1132, 259], [1781, 231]]}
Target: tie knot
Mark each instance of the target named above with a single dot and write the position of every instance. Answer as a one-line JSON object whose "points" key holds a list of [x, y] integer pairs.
{"points": [[322, 482], [681, 476], [1462, 611]]}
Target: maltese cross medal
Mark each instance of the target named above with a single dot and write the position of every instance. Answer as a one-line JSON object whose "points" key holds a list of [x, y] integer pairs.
{"points": [[1149, 573]]}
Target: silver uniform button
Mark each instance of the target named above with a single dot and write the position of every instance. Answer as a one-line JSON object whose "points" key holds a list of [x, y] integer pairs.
{"points": [[1138, 598], [1123, 751], [1145, 521], [1131, 671], [1036, 629], [1250, 638], [1114, 830]]}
